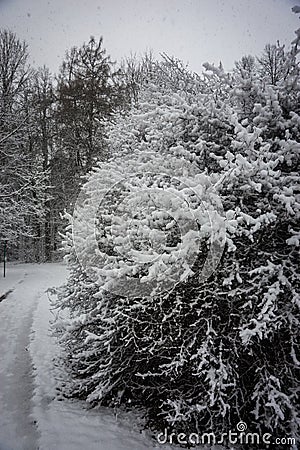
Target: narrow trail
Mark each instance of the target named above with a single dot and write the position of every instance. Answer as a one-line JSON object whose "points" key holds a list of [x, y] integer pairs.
{"points": [[18, 430]]}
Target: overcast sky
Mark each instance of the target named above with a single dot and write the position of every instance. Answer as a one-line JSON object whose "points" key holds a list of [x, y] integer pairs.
{"points": [[195, 31]]}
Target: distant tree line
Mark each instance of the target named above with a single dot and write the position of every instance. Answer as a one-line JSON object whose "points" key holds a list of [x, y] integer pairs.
{"points": [[53, 128]]}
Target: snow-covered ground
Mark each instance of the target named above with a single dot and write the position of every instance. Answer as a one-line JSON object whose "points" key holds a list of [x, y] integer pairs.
{"points": [[31, 415]]}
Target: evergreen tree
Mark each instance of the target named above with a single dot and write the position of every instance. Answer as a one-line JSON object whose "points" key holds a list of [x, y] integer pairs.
{"points": [[88, 93]]}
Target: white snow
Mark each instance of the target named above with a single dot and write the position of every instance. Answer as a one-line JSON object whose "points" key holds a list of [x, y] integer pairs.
{"points": [[31, 416], [17, 430]]}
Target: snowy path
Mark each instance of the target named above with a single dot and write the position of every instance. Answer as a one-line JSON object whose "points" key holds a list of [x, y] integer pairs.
{"points": [[17, 426], [31, 417]]}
